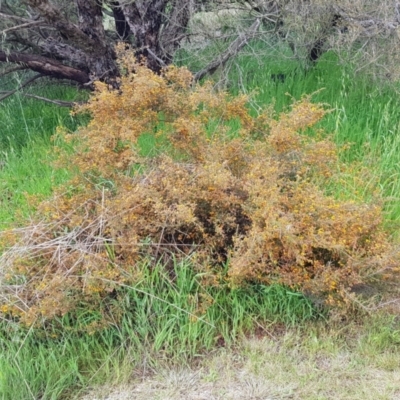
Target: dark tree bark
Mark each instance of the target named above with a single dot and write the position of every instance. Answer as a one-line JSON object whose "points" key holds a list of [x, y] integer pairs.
{"points": [[86, 44], [101, 61], [145, 19], [318, 48], [68, 40], [46, 66], [121, 26], [176, 27]]}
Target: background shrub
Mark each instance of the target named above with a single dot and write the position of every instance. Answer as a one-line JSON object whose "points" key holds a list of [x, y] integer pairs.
{"points": [[242, 195]]}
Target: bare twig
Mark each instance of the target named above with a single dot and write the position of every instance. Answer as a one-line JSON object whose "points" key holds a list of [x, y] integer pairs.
{"points": [[11, 70], [158, 59], [22, 26], [60, 103], [16, 17], [232, 50], [26, 83]]}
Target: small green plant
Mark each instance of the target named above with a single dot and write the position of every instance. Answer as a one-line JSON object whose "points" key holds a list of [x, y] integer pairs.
{"points": [[241, 195]]}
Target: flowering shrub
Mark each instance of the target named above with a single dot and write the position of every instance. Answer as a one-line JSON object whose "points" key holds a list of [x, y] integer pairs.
{"points": [[241, 194]]}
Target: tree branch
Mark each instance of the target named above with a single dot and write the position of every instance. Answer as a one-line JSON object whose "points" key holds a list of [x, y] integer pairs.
{"points": [[232, 50], [60, 103], [175, 26], [55, 49], [158, 59], [53, 16], [21, 26], [45, 66], [16, 17], [11, 70], [26, 83]]}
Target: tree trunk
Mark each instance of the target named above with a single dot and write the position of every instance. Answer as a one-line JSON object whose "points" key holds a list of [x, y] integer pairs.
{"points": [[87, 41], [68, 40], [175, 30], [58, 43], [121, 26], [145, 19], [101, 59]]}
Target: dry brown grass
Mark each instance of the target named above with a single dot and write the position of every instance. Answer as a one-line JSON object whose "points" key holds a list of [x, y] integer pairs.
{"points": [[291, 366]]}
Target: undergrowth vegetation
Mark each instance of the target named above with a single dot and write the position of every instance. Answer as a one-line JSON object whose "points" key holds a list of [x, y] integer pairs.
{"points": [[241, 195], [26, 126]]}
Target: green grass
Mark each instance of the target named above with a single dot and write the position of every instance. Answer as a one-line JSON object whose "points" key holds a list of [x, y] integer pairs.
{"points": [[24, 120], [161, 317], [27, 173], [26, 149], [35, 367]]}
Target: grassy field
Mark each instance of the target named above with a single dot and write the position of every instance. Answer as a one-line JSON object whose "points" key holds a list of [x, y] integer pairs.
{"points": [[259, 342]]}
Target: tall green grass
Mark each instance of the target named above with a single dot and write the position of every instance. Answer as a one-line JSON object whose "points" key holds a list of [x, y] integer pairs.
{"points": [[167, 315], [45, 368], [26, 148], [24, 120], [28, 172]]}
